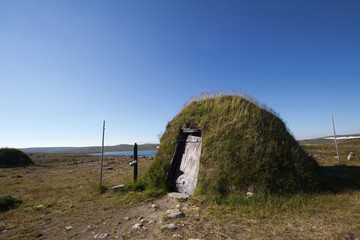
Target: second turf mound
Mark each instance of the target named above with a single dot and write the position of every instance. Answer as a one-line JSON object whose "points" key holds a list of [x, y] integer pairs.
{"points": [[11, 157]]}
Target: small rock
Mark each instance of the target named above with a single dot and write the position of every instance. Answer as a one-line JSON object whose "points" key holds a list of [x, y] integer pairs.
{"points": [[351, 155], [117, 187], [175, 213], [126, 218], [170, 226], [90, 227], [177, 236], [142, 220], [249, 194], [152, 221], [250, 191], [68, 228], [137, 226], [178, 206], [110, 168], [101, 236]]}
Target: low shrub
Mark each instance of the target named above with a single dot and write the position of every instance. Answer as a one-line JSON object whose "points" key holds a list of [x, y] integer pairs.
{"points": [[7, 202]]}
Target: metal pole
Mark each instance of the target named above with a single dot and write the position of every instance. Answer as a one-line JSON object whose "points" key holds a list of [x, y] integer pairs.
{"points": [[135, 163], [337, 149], [102, 154]]}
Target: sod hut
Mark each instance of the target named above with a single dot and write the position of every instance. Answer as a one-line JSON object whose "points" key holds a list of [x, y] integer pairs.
{"points": [[243, 146], [10, 157]]}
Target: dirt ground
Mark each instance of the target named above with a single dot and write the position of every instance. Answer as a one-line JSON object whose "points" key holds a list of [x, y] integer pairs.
{"points": [[59, 203]]}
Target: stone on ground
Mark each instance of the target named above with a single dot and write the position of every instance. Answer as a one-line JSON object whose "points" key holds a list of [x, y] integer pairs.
{"points": [[169, 226], [137, 226], [174, 213], [101, 236]]}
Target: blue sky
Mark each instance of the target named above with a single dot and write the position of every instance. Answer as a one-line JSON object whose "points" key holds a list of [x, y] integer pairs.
{"points": [[65, 66]]}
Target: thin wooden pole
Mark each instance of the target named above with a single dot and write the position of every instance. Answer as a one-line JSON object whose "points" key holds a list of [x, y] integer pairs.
{"points": [[337, 149], [135, 162], [102, 154]]}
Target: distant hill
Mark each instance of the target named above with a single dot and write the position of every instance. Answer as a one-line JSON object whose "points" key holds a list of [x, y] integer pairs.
{"points": [[48, 149], [93, 149], [329, 139]]}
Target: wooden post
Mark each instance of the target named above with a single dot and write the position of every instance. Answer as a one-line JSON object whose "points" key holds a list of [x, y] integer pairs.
{"points": [[135, 163], [337, 149], [102, 154]]}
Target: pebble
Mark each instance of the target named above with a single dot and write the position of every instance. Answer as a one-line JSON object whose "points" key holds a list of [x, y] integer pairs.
{"points": [[142, 220], [178, 206], [249, 194], [117, 187], [101, 236], [152, 221], [68, 228], [90, 227], [170, 226], [177, 236], [137, 226], [126, 218]]}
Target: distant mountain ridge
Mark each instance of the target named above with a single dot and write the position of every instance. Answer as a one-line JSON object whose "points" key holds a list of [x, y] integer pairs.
{"points": [[93, 149]]}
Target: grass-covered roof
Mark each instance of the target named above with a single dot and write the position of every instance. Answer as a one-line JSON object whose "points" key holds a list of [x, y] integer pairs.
{"points": [[243, 146]]}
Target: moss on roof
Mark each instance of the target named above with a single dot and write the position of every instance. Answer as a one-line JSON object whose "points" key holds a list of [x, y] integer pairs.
{"points": [[243, 145]]}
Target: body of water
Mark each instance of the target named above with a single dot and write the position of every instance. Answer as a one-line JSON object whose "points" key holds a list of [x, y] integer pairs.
{"points": [[148, 153]]}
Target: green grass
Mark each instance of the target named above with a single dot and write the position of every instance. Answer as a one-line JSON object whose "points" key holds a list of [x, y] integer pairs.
{"points": [[99, 189], [16, 176], [56, 195]]}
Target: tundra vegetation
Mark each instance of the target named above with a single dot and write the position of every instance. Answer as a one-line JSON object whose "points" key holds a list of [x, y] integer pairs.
{"points": [[59, 196]]}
